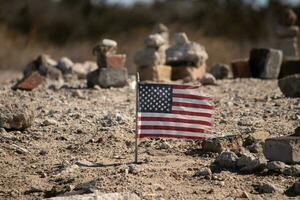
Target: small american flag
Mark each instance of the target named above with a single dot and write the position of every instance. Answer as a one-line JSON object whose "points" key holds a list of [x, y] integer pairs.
{"points": [[173, 111]]}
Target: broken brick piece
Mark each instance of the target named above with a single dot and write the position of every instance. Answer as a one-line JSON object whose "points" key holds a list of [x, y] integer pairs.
{"points": [[30, 82], [240, 68], [116, 60]]}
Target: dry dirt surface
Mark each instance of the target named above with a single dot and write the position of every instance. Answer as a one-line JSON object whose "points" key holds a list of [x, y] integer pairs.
{"points": [[83, 140]]}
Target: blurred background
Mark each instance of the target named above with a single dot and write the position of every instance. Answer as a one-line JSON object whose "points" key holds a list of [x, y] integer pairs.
{"points": [[227, 28]]}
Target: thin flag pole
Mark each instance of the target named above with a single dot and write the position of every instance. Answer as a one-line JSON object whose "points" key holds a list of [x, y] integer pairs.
{"points": [[136, 118]]}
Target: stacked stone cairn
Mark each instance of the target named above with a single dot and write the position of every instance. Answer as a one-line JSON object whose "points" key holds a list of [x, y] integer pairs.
{"points": [[188, 59], [160, 62], [288, 33], [151, 60], [111, 70]]}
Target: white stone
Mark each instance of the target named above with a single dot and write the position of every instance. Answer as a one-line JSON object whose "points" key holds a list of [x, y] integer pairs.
{"points": [[109, 43], [155, 41]]}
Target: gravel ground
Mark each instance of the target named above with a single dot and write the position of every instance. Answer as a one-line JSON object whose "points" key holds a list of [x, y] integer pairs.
{"points": [[83, 139]]}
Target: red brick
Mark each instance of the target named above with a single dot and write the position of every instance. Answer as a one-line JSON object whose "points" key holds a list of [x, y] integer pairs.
{"points": [[240, 69], [116, 61], [30, 82]]}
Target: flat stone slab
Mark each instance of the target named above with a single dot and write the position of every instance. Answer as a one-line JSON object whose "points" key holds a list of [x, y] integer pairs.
{"points": [[100, 196], [189, 73], [284, 149], [155, 73], [265, 63]]}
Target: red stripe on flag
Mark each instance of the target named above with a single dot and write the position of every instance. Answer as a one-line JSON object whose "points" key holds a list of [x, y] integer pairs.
{"points": [[184, 87], [181, 112], [165, 119], [171, 128], [191, 96], [170, 136], [193, 105]]}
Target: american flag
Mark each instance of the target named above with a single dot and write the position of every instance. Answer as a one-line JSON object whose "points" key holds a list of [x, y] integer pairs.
{"points": [[173, 111]]}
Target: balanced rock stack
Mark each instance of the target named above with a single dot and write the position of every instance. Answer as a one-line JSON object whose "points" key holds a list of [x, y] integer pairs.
{"points": [[160, 62], [287, 33], [111, 70], [186, 58], [151, 60]]}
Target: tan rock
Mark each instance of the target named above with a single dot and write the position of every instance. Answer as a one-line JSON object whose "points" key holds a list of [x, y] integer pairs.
{"points": [[189, 73], [156, 73]]}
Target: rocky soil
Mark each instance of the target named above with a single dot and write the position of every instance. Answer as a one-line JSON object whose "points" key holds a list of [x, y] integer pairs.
{"points": [[83, 140]]}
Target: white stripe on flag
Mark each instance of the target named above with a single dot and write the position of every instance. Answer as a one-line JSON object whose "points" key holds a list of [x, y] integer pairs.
{"points": [[186, 100], [162, 123], [187, 91], [169, 132], [178, 116], [199, 110]]}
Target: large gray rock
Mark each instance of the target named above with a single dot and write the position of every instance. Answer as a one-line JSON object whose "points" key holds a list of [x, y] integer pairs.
{"points": [[108, 77], [150, 57], [277, 166], [249, 163], [266, 187], [100, 196], [16, 116], [265, 63], [227, 159], [285, 149], [185, 52], [290, 85]]}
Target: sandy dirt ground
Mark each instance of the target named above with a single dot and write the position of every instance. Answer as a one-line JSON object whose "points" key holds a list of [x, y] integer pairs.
{"points": [[83, 140]]}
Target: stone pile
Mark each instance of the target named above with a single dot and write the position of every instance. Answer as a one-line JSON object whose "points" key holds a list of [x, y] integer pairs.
{"points": [[188, 59], [111, 71], [151, 60], [288, 33], [160, 62], [44, 69]]}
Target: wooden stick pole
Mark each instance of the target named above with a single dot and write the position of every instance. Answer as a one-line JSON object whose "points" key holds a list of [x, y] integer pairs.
{"points": [[136, 118]]}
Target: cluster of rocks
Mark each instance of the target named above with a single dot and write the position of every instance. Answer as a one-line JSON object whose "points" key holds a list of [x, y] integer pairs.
{"points": [[44, 69], [288, 33], [262, 155], [109, 71], [160, 61]]}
